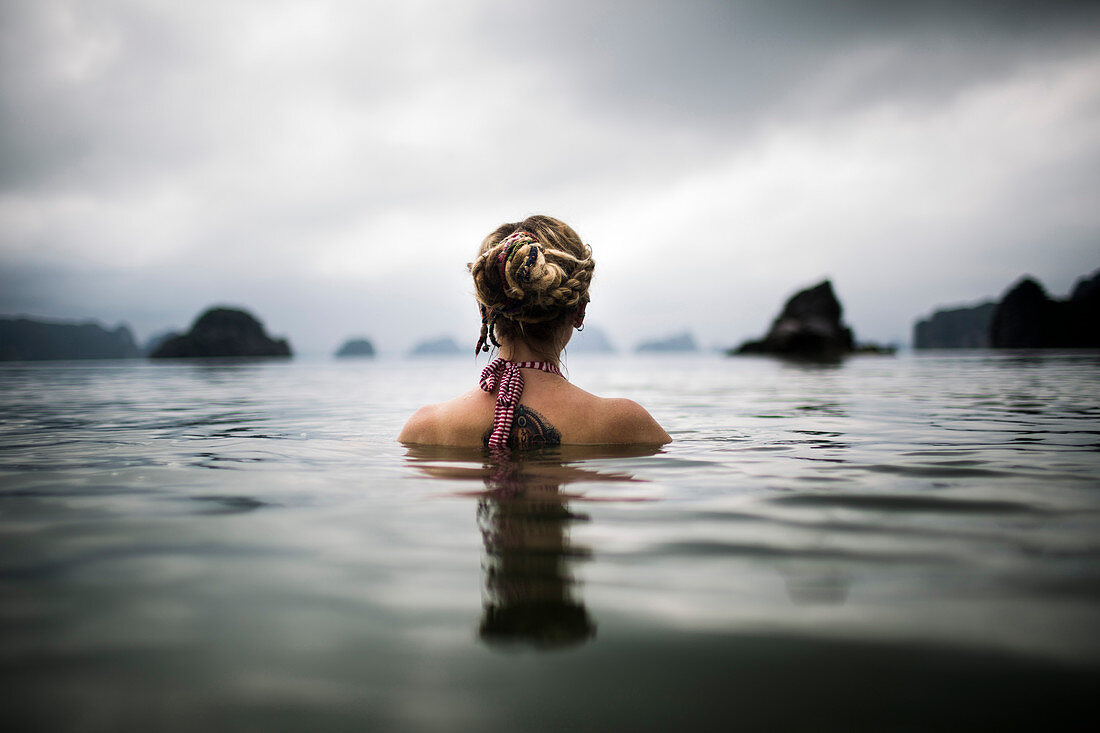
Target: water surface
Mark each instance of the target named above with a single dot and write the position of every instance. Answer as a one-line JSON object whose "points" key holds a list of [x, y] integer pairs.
{"points": [[884, 544]]}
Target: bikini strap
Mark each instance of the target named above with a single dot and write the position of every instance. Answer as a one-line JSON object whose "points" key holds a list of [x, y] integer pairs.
{"points": [[504, 378]]}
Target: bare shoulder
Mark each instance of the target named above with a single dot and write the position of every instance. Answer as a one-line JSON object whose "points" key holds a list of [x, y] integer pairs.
{"points": [[455, 422], [423, 426], [626, 421]]}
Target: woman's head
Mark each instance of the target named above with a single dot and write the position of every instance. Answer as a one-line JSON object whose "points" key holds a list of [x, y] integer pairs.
{"points": [[531, 279]]}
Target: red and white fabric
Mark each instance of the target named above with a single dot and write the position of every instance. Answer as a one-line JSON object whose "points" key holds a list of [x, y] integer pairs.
{"points": [[504, 377]]}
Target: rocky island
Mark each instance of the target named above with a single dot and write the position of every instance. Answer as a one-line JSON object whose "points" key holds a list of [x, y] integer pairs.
{"points": [[1025, 317], [591, 340], [681, 342], [1028, 318], [442, 346], [356, 347], [26, 339], [955, 328], [222, 332], [810, 326]]}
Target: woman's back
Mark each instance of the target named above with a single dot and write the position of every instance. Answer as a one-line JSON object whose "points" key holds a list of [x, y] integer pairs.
{"points": [[531, 281], [551, 412]]}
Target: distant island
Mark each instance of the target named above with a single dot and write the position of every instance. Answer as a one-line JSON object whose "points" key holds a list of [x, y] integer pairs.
{"points": [[1025, 317], [27, 339], [356, 347], [591, 340], [810, 326], [437, 347], [155, 340], [966, 327], [681, 342], [222, 332], [1028, 318]]}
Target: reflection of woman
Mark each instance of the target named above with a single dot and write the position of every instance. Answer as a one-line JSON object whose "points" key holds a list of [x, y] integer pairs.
{"points": [[524, 516], [529, 586], [531, 281]]}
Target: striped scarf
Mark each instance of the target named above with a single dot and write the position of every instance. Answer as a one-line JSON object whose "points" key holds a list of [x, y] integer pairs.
{"points": [[504, 377]]}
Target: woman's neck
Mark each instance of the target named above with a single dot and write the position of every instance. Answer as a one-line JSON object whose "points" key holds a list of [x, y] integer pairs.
{"points": [[521, 351]]}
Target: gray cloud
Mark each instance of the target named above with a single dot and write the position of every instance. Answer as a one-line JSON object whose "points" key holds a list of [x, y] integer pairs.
{"points": [[324, 161], [722, 63]]}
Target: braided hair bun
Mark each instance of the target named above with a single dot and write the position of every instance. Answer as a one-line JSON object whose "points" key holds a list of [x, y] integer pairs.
{"points": [[529, 279]]}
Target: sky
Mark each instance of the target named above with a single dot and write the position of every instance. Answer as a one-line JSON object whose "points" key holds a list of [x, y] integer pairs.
{"points": [[333, 165]]}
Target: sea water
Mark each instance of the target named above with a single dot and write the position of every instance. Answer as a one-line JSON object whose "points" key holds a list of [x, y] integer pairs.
{"points": [[903, 543]]}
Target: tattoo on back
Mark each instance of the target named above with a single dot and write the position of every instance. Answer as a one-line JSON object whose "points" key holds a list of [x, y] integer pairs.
{"points": [[529, 430]]}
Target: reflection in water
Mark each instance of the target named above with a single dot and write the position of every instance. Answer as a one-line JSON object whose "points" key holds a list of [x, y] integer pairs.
{"points": [[530, 591], [531, 594]]}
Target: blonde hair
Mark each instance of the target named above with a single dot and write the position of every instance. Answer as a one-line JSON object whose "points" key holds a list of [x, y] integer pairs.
{"points": [[530, 277]]}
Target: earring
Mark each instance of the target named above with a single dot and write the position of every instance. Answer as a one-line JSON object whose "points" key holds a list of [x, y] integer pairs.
{"points": [[579, 328]]}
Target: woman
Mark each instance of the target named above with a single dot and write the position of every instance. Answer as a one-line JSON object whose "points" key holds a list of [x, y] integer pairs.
{"points": [[531, 281]]}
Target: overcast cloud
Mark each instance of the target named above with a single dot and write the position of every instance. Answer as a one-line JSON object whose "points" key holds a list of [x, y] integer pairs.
{"points": [[333, 165]]}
